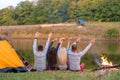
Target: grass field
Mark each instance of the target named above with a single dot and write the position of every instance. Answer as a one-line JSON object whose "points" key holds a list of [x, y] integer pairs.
{"points": [[90, 30], [62, 75]]}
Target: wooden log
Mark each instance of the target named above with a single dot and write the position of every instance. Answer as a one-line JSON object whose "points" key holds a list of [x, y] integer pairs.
{"points": [[107, 67]]}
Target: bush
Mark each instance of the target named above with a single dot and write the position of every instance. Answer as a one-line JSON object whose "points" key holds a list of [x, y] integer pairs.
{"points": [[111, 33]]}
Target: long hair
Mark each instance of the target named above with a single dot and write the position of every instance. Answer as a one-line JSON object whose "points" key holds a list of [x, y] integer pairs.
{"points": [[53, 57], [62, 56]]}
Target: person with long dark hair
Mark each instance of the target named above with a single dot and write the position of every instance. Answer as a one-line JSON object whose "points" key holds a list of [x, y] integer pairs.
{"points": [[51, 56]]}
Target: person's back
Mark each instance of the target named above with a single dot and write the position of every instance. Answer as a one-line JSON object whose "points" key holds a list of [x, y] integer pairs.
{"points": [[75, 56], [74, 61], [40, 61], [40, 53]]}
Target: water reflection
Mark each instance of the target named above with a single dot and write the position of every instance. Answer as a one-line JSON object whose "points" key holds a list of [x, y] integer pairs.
{"points": [[110, 49], [107, 47]]}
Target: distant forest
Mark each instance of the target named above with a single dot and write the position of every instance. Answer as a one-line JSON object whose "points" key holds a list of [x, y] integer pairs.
{"points": [[57, 11]]}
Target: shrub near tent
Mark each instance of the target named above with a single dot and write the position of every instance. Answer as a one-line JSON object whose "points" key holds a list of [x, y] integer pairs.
{"points": [[9, 60]]}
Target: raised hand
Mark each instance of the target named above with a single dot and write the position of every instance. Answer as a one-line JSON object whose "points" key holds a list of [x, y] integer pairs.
{"points": [[36, 35], [55, 39], [69, 39], [62, 39], [50, 35], [92, 41], [78, 40]]}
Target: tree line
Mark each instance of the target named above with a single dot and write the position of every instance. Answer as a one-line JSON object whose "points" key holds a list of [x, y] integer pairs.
{"points": [[56, 11]]}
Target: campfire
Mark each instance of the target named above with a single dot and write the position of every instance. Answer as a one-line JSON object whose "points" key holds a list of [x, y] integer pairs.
{"points": [[105, 62], [107, 65]]}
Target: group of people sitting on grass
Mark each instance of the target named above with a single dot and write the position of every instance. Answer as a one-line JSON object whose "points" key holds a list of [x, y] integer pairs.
{"points": [[59, 57]]}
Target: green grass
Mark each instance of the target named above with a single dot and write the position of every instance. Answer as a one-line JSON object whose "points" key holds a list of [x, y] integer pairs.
{"points": [[91, 30], [62, 75]]}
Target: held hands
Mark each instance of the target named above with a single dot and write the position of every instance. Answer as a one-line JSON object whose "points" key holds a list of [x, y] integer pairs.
{"points": [[69, 38], [92, 41], [55, 39], [61, 39]]}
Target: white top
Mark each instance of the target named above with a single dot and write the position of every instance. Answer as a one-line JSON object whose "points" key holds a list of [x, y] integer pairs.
{"points": [[40, 57], [75, 57]]}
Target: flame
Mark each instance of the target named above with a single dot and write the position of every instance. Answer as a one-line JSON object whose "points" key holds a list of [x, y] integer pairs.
{"points": [[105, 61]]}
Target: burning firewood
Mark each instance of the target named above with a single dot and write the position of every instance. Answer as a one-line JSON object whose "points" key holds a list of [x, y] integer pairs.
{"points": [[107, 67]]}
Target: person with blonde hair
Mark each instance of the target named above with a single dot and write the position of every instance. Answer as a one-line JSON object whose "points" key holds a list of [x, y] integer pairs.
{"points": [[62, 56]]}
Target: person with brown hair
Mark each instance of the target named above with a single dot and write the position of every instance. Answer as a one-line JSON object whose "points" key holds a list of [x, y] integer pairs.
{"points": [[52, 56], [75, 56], [57, 57], [40, 53]]}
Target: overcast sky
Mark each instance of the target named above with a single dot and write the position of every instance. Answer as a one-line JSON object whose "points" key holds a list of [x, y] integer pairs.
{"points": [[6, 3]]}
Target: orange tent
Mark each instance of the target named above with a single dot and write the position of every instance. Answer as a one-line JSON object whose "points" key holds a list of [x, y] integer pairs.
{"points": [[9, 60]]}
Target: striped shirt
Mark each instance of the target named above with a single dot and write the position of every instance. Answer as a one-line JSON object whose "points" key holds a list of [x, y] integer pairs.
{"points": [[40, 57], [75, 57]]}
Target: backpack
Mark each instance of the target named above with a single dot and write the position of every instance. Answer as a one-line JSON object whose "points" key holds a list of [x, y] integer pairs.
{"points": [[62, 56]]}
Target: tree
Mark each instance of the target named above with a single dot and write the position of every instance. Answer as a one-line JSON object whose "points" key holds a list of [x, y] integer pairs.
{"points": [[6, 18], [39, 14], [56, 11], [22, 12]]}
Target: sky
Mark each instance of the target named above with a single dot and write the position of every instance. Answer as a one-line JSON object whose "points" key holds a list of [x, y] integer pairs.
{"points": [[6, 3]]}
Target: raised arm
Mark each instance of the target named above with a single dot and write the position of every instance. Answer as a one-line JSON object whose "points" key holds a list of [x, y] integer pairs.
{"points": [[75, 43], [47, 43], [68, 45], [60, 44], [87, 48], [48, 51], [35, 42], [50, 45]]}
